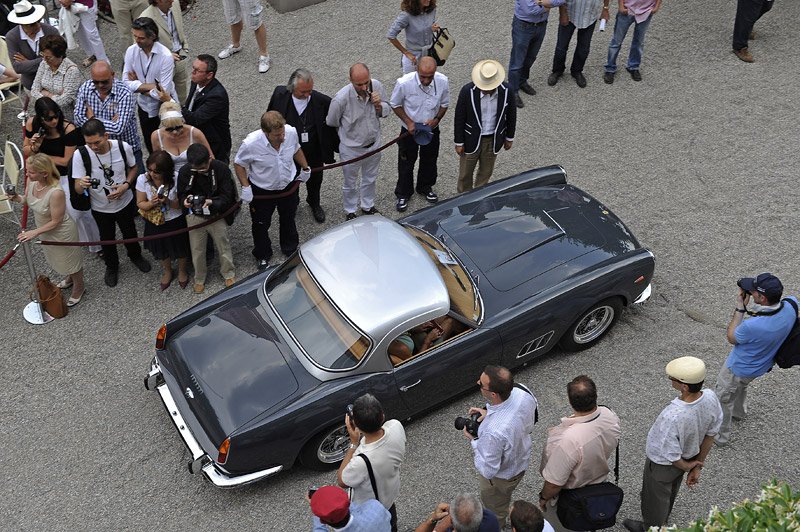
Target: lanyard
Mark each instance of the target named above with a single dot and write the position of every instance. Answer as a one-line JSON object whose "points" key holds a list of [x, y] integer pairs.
{"points": [[149, 63]]}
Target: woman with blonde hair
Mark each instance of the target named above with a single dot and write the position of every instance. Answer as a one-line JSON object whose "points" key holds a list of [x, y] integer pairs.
{"points": [[174, 136], [48, 202]]}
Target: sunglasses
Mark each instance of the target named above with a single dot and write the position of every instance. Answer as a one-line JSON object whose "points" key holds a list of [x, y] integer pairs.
{"points": [[49, 118], [173, 129]]}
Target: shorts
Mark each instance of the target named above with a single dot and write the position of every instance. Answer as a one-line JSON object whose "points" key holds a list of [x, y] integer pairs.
{"points": [[253, 9]]}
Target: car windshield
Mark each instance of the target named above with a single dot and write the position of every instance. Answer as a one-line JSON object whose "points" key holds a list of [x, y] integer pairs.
{"points": [[328, 339], [463, 295]]}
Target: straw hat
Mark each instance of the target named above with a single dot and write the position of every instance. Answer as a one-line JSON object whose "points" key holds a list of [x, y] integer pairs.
{"points": [[488, 74], [688, 370], [26, 13]]}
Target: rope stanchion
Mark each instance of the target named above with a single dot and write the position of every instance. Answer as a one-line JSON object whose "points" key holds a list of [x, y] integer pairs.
{"points": [[9, 255]]}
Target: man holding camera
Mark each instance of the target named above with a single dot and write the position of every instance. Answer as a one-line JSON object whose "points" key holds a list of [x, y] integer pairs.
{"points": [[106, 173], [502, 447], [205, 187], [755, 342], [371, 465], [577, 451]]}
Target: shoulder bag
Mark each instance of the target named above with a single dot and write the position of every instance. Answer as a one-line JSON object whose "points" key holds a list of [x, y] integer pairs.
{"points": [[50, 297], [442, 45]]}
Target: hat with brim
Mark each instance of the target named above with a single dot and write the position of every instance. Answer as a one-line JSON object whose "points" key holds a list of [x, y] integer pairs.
{"points": [[688, 370], [488, 74], [423, 133], [26, 13]]}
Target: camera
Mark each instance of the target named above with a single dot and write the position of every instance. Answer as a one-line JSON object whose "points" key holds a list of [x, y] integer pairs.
{"points": [[311, 491], [10, 190], [471, 423], [160, 192], [42, 132], [94, 182], [108, 173], [197, 203], [350, 413]]}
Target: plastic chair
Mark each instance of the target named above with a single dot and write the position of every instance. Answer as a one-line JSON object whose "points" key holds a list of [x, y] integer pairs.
{"points": [[12, 161]]}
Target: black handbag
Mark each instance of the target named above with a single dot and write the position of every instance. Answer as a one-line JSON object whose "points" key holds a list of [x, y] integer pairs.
{"points": [[591, 507]]}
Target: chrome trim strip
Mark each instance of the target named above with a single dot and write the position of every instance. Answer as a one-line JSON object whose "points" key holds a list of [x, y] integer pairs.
{"points": [[180, 424], [645, 295], [222, 480]]}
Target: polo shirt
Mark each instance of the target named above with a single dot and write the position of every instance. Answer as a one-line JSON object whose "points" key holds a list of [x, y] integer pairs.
{"points": [[268, 168]]}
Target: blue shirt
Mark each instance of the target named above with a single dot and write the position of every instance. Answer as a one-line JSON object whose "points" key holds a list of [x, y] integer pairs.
{"points": [[117, 112], [368, 516], [530, 11], [757, 341]]}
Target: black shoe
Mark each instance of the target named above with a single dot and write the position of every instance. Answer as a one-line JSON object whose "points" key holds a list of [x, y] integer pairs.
{"points": [[350, 216], [635, 74], [518, 101], [580, 79], [608, 77], [527, 89], [371, 210], [111, 277], [319, 214], [430, 196], [142, 263], [633, 525], [263, 265], [402, 204], [552, 79]]}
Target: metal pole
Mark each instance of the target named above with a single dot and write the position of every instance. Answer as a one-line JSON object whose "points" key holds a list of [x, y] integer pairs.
{"points": [[33, 311]]}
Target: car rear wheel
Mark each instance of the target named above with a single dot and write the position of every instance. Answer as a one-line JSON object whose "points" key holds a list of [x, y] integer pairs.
{"points": [[592, 325], [325, 450]]}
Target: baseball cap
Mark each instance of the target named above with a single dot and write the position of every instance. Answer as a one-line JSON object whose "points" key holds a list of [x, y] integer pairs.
{"points": [[688, 370], [330, 504], [765, 283], [423, 134]]}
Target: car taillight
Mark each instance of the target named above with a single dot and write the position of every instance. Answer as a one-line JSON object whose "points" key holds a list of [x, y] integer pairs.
{"points": [[161, 337], [223, 451], [639, 280]]}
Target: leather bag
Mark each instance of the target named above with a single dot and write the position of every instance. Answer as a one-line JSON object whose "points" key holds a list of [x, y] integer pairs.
{"points": [[50, 297]]}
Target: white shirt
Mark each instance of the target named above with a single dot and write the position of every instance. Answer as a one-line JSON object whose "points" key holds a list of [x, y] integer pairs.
{"points": [[172, 194], [113, 159], [300, 104], [355, 117], [158, 66], [503, 447], [268, 168], [488, 112], [421, 103], [680, 428], [386, 456], [170, 20]]}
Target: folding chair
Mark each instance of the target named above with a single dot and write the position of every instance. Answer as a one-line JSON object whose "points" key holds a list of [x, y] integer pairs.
{"points": [[12, 160], [7, 94]]}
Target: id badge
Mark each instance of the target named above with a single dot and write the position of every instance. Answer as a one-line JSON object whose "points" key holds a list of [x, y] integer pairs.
{"points": [[206, 210], [304, 137]]}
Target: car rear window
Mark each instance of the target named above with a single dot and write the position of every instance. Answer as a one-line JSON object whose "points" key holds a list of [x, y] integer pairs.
{"points": [[322, 331]]}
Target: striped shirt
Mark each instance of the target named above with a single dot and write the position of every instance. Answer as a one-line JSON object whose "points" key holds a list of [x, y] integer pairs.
{"points": [[117, 112], [584, 13]]}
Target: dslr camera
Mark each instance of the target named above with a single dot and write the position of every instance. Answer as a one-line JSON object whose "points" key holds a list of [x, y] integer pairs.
{"points": [[197, 203], [10, 190], [471, 423], [94, 182]]}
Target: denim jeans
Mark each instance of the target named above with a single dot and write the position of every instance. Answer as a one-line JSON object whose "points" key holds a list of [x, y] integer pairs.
{"points": [[526, 40], [621, 26], [747, 13], [581, 48]]}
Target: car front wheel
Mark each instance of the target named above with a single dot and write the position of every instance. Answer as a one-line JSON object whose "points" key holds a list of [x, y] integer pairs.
{"points": [[592, 325], [325, 450]]}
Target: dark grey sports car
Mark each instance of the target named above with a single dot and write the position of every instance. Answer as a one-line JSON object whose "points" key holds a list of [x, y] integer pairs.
{"points": [[259, 375]]}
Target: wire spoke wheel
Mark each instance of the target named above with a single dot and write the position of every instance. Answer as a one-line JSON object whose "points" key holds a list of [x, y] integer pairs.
{"points": [[592, 325]]}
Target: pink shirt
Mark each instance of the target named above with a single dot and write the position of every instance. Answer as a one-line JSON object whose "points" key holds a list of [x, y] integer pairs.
{"points": [[577, 451], [640, 9]]}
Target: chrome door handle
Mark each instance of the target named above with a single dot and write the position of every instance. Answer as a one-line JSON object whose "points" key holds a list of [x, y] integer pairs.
{"points": [[406, 388]]}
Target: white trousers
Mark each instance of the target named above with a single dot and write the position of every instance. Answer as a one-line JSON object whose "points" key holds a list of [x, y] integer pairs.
{"points": [[368, 168], [89, 36], [87, 227]]}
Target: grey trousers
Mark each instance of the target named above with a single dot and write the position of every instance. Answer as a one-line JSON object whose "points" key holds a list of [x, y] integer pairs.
{"points": [[732, 393], [660, 485]]}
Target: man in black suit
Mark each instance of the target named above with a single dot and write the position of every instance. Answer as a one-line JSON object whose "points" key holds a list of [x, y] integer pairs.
{"points": [[207, 107], [306, 109], [485, 120]]}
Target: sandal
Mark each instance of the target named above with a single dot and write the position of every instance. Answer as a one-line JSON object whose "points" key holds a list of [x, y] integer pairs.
{"points": [[72, 301], [65, 283]]}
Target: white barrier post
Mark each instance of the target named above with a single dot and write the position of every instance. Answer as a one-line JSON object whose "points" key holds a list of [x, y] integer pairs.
{"points": [[33, 311]]}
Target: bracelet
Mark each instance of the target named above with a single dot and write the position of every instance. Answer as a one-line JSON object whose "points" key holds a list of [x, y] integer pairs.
{"points": [[741, 310]]}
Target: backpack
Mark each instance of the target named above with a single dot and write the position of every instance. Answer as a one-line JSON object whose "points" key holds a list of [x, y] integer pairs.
{"points": [[788, 354], [83, 202]]}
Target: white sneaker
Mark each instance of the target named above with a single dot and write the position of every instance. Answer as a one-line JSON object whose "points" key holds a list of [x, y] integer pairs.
{"points": [[263, 63], [229, 51]]}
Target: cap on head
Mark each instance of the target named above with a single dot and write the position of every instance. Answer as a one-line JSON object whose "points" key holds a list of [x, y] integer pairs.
{"points": [[765, 283], [688, 370], [330, 504], [488, 74]]}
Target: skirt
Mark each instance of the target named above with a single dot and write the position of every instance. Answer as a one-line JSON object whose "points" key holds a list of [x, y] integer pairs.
{"points": [[171, 247]]}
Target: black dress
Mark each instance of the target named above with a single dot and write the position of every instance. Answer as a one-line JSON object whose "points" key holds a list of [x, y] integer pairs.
{"points": [[57, 146]]}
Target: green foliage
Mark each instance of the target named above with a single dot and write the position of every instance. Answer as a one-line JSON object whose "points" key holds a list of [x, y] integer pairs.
{"points": [[776, 509]]}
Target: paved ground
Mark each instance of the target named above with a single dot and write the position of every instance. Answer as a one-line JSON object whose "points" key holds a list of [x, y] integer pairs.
{"points": [[699, 159]]}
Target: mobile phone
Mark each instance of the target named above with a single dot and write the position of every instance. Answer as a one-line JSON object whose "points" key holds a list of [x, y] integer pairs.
{"points": [[350, 412], [311, 491], [158, 85]]}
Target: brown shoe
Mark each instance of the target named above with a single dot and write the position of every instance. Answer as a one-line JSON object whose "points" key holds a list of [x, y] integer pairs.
{"points": [[229, 282], [745, 55], [198, 288]]}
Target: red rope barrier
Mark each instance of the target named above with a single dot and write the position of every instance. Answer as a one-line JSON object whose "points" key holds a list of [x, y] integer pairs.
{"points": [[8, 256]]}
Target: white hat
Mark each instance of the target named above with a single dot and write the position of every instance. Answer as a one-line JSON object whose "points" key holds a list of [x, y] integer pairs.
{"points": [[688, 370], [488, 74], [26, 13]]}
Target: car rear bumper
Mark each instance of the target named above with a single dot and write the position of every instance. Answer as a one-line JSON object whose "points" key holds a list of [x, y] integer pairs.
{"points": [[201, 461], [645, 295]]}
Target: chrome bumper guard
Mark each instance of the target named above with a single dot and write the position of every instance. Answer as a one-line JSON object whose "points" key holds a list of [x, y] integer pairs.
{"points": [[645, 295], [200, 460]]}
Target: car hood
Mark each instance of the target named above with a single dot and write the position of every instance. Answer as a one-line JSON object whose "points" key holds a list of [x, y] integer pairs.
{"points": [[230, 366]]}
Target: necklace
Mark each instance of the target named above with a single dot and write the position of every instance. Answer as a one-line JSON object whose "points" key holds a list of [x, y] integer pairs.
{"points": [[37, 187]]}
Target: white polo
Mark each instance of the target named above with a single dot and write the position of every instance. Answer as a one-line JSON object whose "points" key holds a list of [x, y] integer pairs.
{"points": [[268, 168]]}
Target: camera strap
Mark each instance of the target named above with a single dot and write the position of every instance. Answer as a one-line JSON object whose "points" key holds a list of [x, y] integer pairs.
{"points": [[526, 390], [767, 312], [371, 475]]}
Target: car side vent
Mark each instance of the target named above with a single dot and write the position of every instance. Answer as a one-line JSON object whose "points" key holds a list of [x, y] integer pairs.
{"points": [[535, 345]]}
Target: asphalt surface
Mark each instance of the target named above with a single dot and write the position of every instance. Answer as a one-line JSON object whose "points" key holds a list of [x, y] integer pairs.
{"points": [[700, 159]]}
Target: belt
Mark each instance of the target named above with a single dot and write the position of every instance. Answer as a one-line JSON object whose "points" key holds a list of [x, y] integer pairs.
{"points": [[542, 23]]}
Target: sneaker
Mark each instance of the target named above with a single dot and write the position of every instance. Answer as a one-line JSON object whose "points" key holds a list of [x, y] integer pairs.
{"points": [[263, 264], [111, 277], [229, 51], [745, 55], [608, 77], [635, 74], [263, 63], [402, 204], [350, 216], [431, 196], [371, 210], [552, 79], [142, 263]]}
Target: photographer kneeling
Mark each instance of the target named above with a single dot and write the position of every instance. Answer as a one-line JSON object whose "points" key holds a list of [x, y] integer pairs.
{"points": [[371, 465], [206, 189]]}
